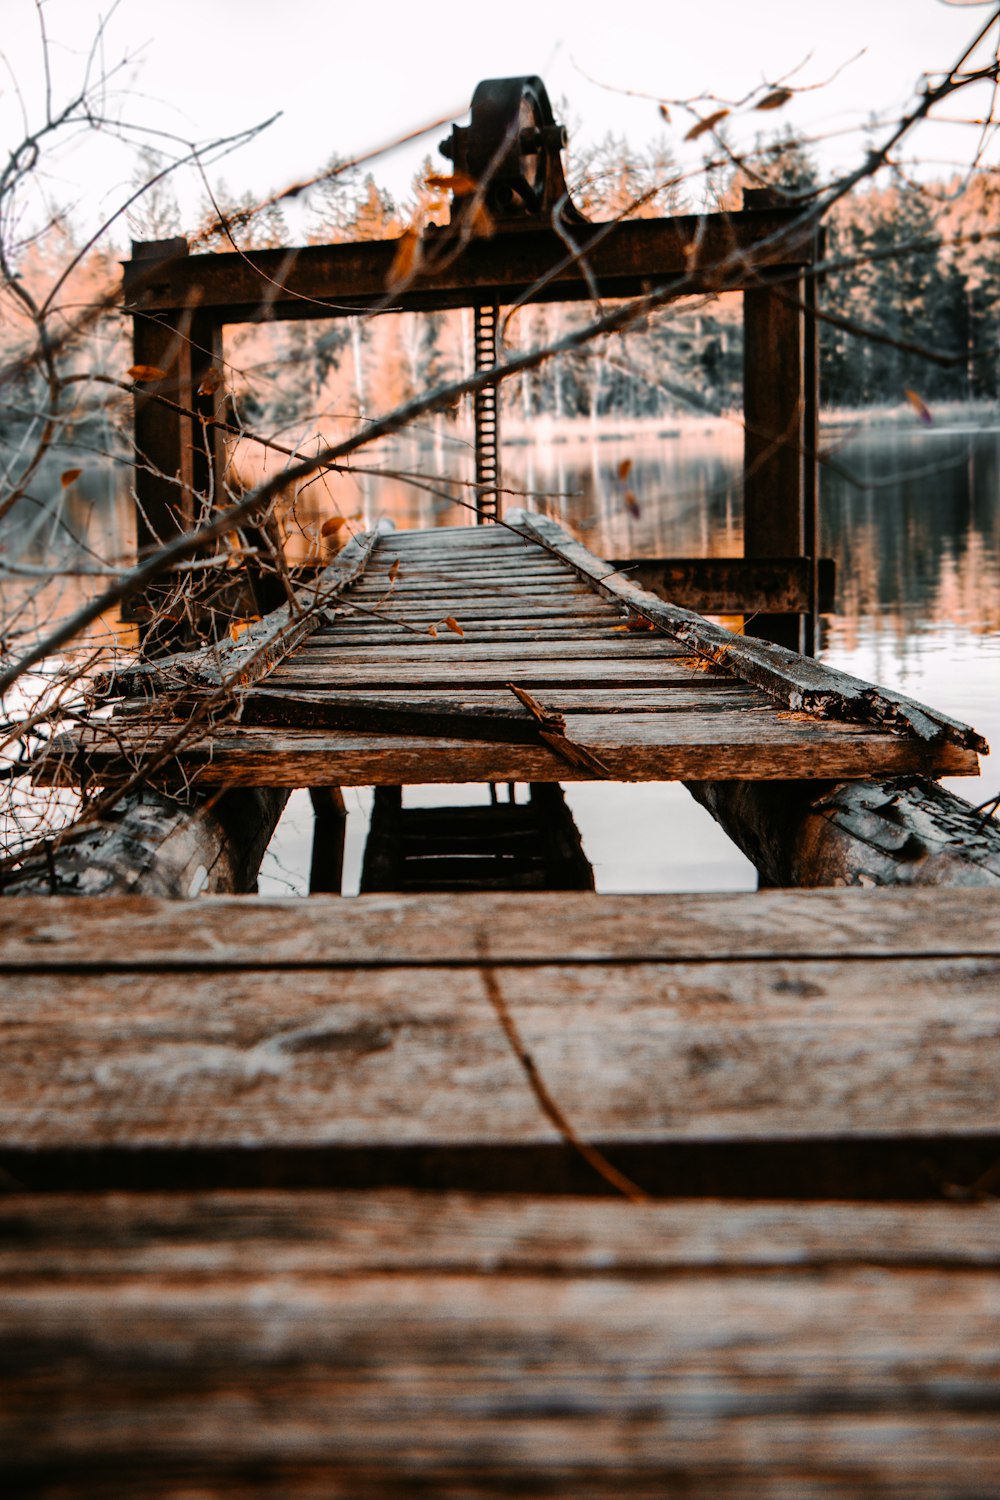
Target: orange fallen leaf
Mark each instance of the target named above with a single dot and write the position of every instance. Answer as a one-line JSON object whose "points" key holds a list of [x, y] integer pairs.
{"points": [[331, 526], [69, 476], [664, 114], [212, 381], [394, 571], [453, 624], [624, 469], [237, 627], [708, 123], [775, 99], [146, 372], [632, 505], [919, 406], [432, 630], [459, 183]]}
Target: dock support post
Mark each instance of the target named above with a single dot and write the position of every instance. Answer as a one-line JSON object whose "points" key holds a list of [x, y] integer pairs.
{"points": [[326, 871], [780, 412]]}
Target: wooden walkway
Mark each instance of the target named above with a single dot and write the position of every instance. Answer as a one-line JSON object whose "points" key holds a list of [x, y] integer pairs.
{"points": [[410, 681], [296, 1317]]}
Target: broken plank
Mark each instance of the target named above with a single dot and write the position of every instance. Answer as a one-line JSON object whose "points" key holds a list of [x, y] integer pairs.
{"points": [[800, 682]]}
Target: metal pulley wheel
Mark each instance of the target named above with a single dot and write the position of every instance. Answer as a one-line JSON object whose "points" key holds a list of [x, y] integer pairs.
{"points": [[512, 147]]}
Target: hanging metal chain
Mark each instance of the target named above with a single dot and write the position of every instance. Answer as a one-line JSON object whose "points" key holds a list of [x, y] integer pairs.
{"points": [[487, 416]]}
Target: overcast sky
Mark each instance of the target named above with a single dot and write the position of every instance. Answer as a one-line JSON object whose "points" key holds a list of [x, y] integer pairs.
{"points": [[347, 77]]}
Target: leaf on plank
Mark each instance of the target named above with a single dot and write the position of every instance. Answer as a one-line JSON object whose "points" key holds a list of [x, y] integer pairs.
{"points": [[624, 469], [632, 505], [394, 571], [237, 627], [69, 476], [453, 625]]}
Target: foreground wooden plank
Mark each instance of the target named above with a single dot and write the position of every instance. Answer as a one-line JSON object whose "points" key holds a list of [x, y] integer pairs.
{"points": [[643, 1054], [731, 745], [354, 1346], [88, 1236], [565, 928]]}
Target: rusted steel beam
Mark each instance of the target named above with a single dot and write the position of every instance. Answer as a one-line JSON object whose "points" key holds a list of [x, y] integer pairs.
{"points": [[735, 585], [625, 259]]}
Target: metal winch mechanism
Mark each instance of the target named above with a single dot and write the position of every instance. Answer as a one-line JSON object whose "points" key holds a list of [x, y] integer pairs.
{"points": [[511, 149]]}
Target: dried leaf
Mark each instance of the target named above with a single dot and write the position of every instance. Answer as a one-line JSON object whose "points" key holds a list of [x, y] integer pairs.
{"points": [[709, 123], [407, 257], [69, 476], [664, 114], [146, 372], [394, 571], [919, 406], [332, 525], [624, 469], [213, 379], [237, 627], [453, 624], [776, 99], [459, 183], [432, 630], [632, 505]]}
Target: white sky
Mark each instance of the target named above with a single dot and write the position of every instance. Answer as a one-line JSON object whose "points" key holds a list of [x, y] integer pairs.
{"points": [[350, 76]]}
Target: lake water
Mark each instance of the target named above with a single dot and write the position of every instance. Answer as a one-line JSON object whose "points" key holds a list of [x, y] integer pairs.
{"points": [[911, 517]]}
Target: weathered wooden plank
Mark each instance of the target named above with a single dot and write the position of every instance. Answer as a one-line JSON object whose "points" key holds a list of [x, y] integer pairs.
{"points": [[826, 1382], [318, 709], [624, 259], [87, 1237], [857, 833], [375, 931], [643, 747], [611, 647], [648, 1054], [454, 672], [800, 682]]}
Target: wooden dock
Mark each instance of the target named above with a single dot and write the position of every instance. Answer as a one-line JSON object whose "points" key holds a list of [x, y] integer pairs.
{"points": [[311, 1198], [409, 681]]}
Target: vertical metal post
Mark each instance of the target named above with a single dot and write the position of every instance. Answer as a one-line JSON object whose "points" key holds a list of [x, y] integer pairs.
{"points": [[487, 416]]}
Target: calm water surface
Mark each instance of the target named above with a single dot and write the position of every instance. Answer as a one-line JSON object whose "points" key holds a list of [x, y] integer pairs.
{"points": [[912, 519]]}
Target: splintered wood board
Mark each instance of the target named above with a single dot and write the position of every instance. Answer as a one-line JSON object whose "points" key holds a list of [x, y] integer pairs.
{"points": [[348, 1344]]}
